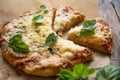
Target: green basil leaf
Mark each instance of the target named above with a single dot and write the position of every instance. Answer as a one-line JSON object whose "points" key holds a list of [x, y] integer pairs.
{"points": [[88, 28], [44, 8], [37, 31], [38, 19], [83, 78], [51, 39], [16, 38], [109, 72], [82, 70], [87, 32], [17, 44], [89, 24], [51, 50], [66, 74], [75, 78], [79, 72], [20, 47], [58, 78]]}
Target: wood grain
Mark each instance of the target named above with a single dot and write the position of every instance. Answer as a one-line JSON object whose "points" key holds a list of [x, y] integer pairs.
{"points": [[110, 12], [116, 5], [10, 9]]}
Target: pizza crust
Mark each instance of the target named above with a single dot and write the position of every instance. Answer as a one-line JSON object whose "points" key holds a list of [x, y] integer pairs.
{"points": [[66, 18], [101, 41], [39, 61], [37, 65]]}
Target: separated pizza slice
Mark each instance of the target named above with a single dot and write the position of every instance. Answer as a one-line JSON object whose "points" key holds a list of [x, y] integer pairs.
{"points": [[65, 18], [95, 34]]}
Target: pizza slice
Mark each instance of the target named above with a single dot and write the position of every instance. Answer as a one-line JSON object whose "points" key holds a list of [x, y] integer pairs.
{"points": [[31, 46], [65, 18], [95, 34]]}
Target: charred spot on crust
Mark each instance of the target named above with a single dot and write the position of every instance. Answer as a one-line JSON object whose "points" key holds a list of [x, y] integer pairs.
{"points": [[2, 29], [1, 41], [68, 9], [19, 67], [106, 45], [87, 52], [102, 21]]}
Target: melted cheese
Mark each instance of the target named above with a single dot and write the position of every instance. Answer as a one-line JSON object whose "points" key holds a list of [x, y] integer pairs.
{"points": [[39, 56], [101, 40], [98, 31], [66, 18], [35, 40]]}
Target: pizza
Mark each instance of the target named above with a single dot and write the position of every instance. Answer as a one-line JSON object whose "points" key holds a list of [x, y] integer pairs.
{"points": [[66, 17], [30, 44], [95, 34]]}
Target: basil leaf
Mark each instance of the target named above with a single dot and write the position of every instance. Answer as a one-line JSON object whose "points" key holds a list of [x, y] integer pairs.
{"points": [[18, 45], [75, 78], [58, 78], [51, 39], [51, 50], [89, 24], [87, 32], [88, 28], [109, 72], [37, 31], [66, 74], [79, 72], [38, 19], [44, 8], [84, 78], [82, 70], [16, 38]]}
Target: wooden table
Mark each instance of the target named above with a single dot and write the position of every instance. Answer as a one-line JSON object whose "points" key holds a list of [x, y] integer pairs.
{"points": [[109, 10]]}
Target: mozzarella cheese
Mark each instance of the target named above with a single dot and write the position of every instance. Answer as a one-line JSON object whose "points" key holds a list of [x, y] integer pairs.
{"points": [[66, 18], [101, 40], [39, 61]]}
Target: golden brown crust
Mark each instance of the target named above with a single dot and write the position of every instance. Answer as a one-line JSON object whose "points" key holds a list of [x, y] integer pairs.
{"points": [[47, 71], [41, 62], [21, 62], [67, 17], [102, 40]]}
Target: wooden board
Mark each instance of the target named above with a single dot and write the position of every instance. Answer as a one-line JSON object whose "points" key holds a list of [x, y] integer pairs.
{"points": [[110, 11], [14, 8]]}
